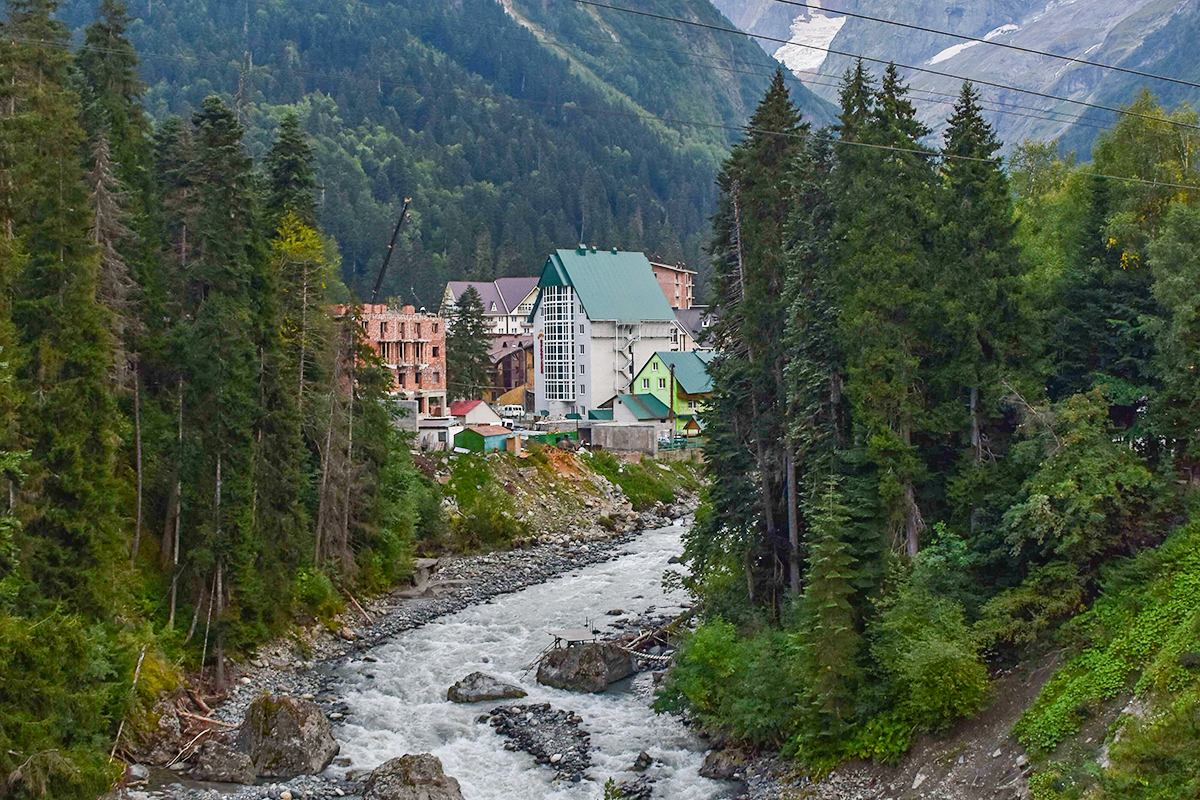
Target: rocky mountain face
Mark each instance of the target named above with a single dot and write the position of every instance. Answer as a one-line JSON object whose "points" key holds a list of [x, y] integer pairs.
{"points": [[1143, 34]]}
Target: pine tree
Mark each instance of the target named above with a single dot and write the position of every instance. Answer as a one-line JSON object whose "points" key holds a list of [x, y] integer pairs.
{"points": [[468, 365], [113, 90], [224, 358], [68, 417], [829, 641], [884, 278], [292, 177], [750, 232]]}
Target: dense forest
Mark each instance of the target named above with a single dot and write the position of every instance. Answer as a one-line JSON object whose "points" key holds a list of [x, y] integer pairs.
{"points": [[953, 425], [508, 146], [194, 451]]}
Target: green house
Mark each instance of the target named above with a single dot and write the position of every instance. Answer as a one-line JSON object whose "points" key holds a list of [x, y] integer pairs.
{"points": [[482, 438], [680, 381]]}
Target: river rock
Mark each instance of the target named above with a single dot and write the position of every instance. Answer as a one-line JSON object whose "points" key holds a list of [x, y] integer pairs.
{"points": [[411, 777], [723, 765], [285, 737], [479, 686], [585, 667], [219, 762]]}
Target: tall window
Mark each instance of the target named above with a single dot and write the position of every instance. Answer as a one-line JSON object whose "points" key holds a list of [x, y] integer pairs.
{"points": [[662, 383], [558, 324], [645, 383]]}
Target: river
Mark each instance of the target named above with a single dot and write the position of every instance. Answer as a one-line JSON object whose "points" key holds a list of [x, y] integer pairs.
{"points": [[403, 707]]}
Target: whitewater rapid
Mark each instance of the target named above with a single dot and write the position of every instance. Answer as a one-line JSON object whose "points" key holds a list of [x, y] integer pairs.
{"points": [[402, 707]]}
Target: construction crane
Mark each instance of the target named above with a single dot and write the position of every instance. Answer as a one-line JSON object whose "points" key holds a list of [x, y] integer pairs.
{"points": [[387, 257]]}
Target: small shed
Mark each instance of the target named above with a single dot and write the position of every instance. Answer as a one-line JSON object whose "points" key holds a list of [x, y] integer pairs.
{"points": [[483, 438]]}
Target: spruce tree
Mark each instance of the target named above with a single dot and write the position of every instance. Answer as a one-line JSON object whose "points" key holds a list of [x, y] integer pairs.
{"points": [[293, 181], [750, 234], [68, 417], [225, 361], [884, 274], [468, 365], [829, 641]]}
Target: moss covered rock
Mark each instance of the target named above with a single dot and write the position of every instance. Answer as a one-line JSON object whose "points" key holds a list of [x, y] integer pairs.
{"points": [[285, 737]]}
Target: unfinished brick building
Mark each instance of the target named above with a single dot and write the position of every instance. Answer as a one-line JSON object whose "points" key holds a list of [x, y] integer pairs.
{"points": [[413, 347]]}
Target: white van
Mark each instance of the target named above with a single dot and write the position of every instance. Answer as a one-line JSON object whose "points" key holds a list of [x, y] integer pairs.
{"points": [[512, 411]]}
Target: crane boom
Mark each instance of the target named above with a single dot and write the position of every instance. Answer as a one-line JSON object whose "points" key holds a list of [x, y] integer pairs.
{"points": [[387, 257]]}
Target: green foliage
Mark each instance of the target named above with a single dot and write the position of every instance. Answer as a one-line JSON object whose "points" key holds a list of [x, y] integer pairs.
{"points": [[741, 686], [315, 594], [1092, 495], [644, 484], [487, 516], [467, 341], [1132, 637], [921, 641]]}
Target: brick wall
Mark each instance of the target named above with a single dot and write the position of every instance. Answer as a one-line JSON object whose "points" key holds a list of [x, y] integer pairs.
{"points": [[413, 345]]}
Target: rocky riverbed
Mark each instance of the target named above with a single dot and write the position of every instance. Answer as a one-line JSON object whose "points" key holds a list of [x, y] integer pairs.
{"points": [[304, 667]]}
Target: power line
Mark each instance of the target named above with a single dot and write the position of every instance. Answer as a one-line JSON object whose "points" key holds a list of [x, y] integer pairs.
{"points": [[993, 43], [978, 82], [556, 39]]}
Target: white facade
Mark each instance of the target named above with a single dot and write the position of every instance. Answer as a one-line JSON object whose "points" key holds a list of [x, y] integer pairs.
{"points": [[580, 363]]}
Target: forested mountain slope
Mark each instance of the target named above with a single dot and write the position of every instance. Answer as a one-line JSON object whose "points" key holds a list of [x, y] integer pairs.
{"points": [[508, 148]]}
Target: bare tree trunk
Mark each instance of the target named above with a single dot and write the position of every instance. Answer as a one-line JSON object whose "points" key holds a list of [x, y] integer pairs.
{"points": [[177, 495], [137, 436], [323, 493], [976, 439], [220, 629], [303, 340], [793, 522], [345, 527]]}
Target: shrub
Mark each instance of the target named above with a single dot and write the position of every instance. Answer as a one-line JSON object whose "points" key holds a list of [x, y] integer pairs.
{"points": [[489, 520], [742, 686], [644, 484], [314, 592], [922, 642]]}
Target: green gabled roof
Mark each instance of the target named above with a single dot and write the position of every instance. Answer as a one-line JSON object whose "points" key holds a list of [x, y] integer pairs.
{"points": [[610, 285], [645, 406], [691, 369], [600, 414]]}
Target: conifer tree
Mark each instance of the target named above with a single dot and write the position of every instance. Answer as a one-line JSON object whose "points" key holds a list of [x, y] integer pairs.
{"points": [[978, 269], [884, 274], [750, 232], [467, 362], [113, 90], [293, 181], [68, 417], [225, 362], [828, 626]]}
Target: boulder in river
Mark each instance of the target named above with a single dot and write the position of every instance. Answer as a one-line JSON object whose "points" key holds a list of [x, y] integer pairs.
{"points": [[724, 765], [585, 667], [219, 762], [285, 737], [411, 777], [479, 686]]}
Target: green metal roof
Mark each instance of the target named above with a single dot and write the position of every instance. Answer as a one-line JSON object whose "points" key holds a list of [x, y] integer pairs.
{"points": [[691, 369], [645, 406], [610, 284], [600, 413]]}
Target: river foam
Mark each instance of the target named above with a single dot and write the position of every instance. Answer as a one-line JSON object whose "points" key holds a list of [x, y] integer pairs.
{"points": [[397, 704]]}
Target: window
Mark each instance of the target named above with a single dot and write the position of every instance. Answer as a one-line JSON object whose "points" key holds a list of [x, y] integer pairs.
{"points": [[418, 330], [662, 383], [581, 349], [418, 382], [435, 352], [441, 436], [558, 342], [435, 327], [581, 369], [382, 329], [581, 389], [435, 377], [691, 405], [366, 326], [654, 366], [645, 383]]}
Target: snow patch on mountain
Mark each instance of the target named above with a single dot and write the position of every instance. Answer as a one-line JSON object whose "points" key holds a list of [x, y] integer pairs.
{"points": [[951, 52], [810, 35]]}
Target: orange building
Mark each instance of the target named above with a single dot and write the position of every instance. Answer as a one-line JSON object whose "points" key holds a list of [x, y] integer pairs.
{"points": [[676, 282], [412, 345]]}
